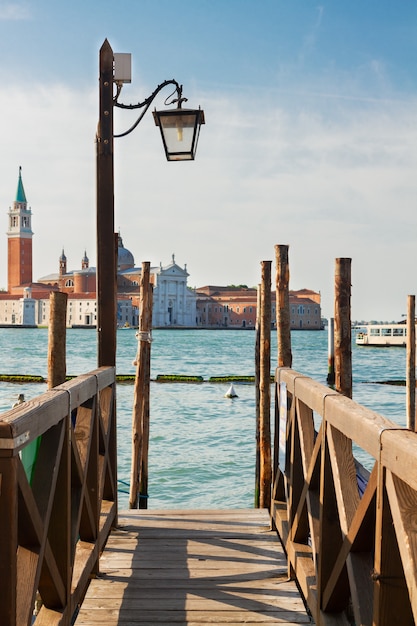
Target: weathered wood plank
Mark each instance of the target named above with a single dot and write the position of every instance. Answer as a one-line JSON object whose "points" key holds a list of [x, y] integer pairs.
{"points": [[149, 618], [193, 567]]}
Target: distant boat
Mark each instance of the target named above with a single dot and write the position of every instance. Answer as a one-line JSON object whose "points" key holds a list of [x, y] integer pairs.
{"points": [[384, 335], [125, 326]]}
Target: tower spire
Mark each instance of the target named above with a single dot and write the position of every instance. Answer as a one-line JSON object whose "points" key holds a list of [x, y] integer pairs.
{"points": [[20, 193]]}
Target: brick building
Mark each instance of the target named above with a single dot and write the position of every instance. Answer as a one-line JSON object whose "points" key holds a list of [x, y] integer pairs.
{"points": [[236, 307]]}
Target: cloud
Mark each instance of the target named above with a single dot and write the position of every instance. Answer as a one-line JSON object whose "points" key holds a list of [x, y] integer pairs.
{"points": [[328, 181], [14, 11]]}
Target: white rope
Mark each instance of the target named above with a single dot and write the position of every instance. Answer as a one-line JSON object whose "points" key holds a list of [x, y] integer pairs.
{"points": [[142, 335]]}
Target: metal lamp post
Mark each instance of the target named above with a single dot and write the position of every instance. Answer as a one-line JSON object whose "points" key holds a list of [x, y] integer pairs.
{"points": [[179, 129]]}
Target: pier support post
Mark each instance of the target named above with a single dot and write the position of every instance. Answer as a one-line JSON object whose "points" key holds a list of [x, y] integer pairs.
{"points": [[283, 306], [9, 538], [342, 328], [265, 466], [330, 350], [57, 369], [411, 363], [257, 400], [140, 421]]}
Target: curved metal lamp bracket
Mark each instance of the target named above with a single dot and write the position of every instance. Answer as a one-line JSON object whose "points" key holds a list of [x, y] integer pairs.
{"points": [[147, 103]]}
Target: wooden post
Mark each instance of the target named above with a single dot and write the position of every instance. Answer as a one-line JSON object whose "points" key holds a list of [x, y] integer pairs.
{"points": [[57, 339], [60, 521], [140, 422], [257, 410], [143, 492], [411, 363], [330, 351], [342, 325], [9, 541], [283, 306], [265, 467], [106, 267]]}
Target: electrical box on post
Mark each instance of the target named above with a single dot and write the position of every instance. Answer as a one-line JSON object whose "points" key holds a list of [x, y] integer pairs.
{"points": [[122, 67]]}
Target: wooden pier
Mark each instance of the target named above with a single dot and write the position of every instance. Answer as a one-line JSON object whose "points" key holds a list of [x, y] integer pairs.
{"points": [[193, 567], [349, 534]]}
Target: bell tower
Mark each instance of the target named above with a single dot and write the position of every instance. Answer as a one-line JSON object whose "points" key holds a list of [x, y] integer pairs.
{"points": [[19, 241]]}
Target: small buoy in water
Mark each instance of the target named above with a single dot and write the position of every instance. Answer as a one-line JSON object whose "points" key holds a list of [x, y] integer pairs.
{"points": [[231, 393]]}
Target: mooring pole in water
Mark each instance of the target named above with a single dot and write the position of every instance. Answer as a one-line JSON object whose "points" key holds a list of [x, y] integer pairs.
{"points": [[283, 325], [265, 465], [411, 363], [140, 418], [57, 369], [257, 400], [330, 351], [342, 328], [283, 306]]}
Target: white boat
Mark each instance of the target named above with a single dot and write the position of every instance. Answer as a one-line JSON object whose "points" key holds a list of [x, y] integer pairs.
{"points": [[382, 335]]}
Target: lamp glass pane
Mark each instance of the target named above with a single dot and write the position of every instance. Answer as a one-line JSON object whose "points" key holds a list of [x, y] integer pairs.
{"points": [[178, 131]]}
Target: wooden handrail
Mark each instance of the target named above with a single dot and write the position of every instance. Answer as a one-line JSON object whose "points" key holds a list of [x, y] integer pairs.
{"points": [[350, 541], [56, 513]]}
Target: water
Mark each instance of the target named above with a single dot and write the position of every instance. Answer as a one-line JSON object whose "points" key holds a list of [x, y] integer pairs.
{"points": [[202, 445]]}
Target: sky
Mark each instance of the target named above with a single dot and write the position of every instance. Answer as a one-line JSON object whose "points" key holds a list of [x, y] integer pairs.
{"points": [[310, 138]]}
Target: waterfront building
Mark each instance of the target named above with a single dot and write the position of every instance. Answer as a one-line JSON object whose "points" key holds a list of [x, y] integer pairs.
{"points": [[174, 303], [26, 303], [236, 307]]}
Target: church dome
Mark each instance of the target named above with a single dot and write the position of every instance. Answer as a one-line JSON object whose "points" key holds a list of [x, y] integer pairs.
{"points": [[125, 259]]}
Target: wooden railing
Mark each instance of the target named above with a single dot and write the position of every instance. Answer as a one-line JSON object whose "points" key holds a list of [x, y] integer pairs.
{"points": [[58, 497], [350, 535]]}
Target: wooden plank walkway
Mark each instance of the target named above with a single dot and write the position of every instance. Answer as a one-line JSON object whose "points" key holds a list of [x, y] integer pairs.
{"points": [[193, 568]]}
